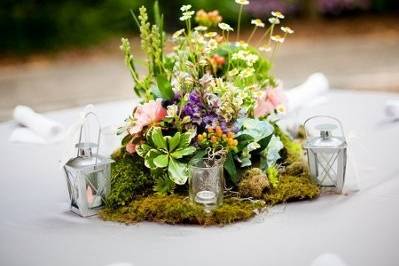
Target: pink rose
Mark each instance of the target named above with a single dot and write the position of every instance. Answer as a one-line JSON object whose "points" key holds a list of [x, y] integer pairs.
{"points": [[268, 101], [146, 114]]}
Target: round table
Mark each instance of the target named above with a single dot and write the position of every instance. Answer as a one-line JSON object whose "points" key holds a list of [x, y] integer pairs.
{"points": [[358, 228]]}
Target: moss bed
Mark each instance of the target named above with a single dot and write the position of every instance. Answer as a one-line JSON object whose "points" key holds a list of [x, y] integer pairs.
{"points": [[129, 178]]}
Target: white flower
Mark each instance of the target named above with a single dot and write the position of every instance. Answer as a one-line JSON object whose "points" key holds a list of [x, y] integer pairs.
{"points": [[274, 20], [225, 26], [210, 34], [251, 59], [265, 48], [177, 33], [187, 15], [233, 72], [185, 8], [277, 14], [212, 44], [258, 23], [277, 38], [200, 28], [247, 72], [287, 30], [172, 110], [242, 2], [281, 109], [242, 44]]}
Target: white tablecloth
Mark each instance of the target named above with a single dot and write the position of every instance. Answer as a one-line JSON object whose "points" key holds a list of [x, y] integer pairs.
{"points": [[36, 227]]}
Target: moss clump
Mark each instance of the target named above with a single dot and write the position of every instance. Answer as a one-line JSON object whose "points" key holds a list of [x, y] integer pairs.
{"points": [[273, 175], [129, 178], [175, 209], [292, 151], [297, 168], [253, 183], [292, 188]]}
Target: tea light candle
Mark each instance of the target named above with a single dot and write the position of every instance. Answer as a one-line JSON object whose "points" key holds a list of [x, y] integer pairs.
{"points": [[206, 197]]}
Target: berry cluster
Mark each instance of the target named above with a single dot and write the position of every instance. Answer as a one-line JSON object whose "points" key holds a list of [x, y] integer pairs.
{"points": [[216, 137]]}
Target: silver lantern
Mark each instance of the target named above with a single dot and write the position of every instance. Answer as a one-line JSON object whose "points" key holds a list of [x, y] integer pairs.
{"points": [[326, 149], [88, 176]]}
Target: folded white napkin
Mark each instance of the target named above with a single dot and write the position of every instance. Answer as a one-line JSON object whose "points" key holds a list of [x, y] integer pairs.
{"points": [[35, 128], [392, 109], [308, 93]]}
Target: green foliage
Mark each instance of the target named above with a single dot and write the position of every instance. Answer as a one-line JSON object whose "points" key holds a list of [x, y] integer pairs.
{"points": [[273, 176], [292, 188], [293, 151], [129, 179], [167, 152], [175, 209], [164, 185], [253, 183]]}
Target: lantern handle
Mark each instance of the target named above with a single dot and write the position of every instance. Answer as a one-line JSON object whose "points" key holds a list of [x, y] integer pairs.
{"points": [[99, 132], [324, 116]]}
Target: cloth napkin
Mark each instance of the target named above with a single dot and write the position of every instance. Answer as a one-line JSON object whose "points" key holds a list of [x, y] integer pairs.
{"points": [[392, 109], [35, 128], [308, 93]]}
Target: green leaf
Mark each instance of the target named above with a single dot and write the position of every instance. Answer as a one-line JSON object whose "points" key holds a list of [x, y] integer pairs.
{"points": [[164, 87], [158, 139], [164, 185], [161, 161], [185, 140], [179, 153], [230, 167], [149, 158], [173, 142], [199, 155], [143, 149], [177, 172]]}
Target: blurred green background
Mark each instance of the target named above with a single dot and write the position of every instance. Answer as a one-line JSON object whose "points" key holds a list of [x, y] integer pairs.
{"points": [[47, 25]]}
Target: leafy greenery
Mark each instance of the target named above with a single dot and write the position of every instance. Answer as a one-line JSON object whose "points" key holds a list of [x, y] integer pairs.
{"points": [[129, 179], [167, 152]]}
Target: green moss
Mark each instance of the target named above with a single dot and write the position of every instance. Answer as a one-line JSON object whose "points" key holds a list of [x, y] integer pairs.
{"points": [[253, 183], [175, 209], [292, 149], [292, 188], [273, 175], [129, 179]]}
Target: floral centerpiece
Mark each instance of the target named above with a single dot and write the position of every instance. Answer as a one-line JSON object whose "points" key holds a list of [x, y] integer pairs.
{"points": [[211, 94]]}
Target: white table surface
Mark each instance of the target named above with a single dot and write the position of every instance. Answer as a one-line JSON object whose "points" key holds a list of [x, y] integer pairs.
{"points": [[362, 228]]}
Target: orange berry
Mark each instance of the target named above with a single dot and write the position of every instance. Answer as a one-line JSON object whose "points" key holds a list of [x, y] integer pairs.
{"points": [[200, 138], [210, 130], [214, 139], [230, 134]]}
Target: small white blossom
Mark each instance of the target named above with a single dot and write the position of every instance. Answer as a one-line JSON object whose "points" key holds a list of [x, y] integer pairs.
{"points": [[287, 30], [265, 48], [187, 15], [233, 72], [201, 28], [242, 44], [211, 34], [177, 33], [242, 2], [281, 109], [225, 26], [274, 20], [172, 110], [277, 38], [258, 23], [277, 14], [185, 8], [246, 72]]}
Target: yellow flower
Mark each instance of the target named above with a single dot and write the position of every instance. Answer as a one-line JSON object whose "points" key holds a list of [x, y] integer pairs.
{"points": [[225, 26], [258, 23], [287, 30], [277, 38], [242, 2], [274, 20], [265, 48], [277, 14]]}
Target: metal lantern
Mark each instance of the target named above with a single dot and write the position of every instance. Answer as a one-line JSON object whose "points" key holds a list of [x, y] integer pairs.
{"points": [[88, 176], [326, 149]]}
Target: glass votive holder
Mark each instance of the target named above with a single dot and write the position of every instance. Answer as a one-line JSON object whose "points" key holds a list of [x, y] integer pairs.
{"points": [[206, 182]]}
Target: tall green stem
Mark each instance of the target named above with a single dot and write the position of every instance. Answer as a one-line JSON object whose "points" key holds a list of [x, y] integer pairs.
{"points": [[239, 23], [252, 34]]}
